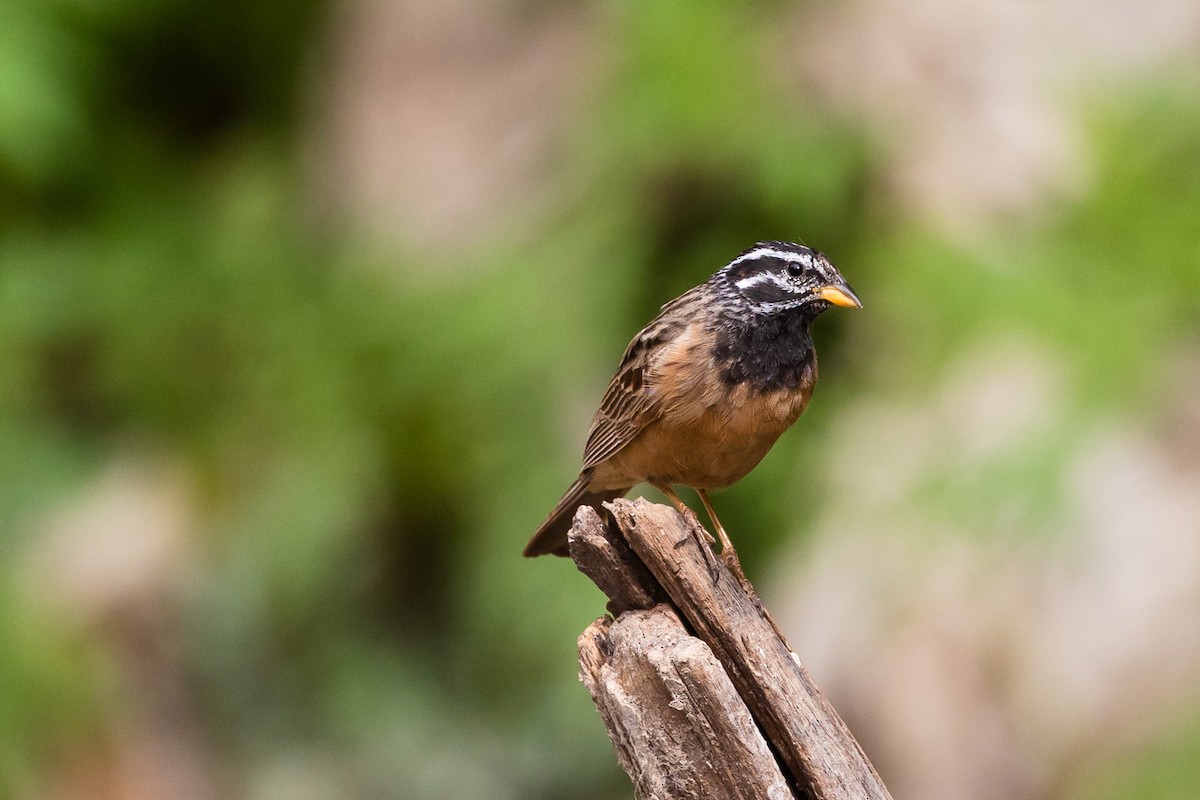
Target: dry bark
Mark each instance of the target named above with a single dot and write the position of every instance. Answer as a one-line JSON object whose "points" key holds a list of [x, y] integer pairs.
{"points": [[677, 700], [682, 728]]}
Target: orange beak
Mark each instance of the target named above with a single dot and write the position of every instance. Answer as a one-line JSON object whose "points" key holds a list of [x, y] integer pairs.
{"points": [[840, 295]]}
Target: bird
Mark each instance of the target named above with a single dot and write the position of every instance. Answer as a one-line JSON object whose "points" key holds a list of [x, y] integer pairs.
{"points": [[707, 387]]}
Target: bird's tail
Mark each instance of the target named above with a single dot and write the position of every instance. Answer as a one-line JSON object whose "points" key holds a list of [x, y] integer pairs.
{"points": [[551, 536]]}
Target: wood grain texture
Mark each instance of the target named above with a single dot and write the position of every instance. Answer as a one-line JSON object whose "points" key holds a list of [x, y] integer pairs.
{"points": [[678, 725], [817, 754], [612, 566]]}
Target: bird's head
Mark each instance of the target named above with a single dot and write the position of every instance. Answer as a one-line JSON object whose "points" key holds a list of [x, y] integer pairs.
{"points": [[775, 277]]}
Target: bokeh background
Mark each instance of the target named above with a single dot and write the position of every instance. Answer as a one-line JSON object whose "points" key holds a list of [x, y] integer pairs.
{"points": [[305, 306]]}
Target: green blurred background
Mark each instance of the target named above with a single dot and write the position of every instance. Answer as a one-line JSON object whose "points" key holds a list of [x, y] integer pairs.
{"points": [[305, 306]]}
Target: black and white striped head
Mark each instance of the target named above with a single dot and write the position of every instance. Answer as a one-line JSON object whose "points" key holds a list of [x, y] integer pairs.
{"points": [[773, 277]]}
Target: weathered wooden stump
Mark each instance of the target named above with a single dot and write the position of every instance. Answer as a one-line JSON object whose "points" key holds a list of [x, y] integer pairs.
{"points": [[701, 694]]}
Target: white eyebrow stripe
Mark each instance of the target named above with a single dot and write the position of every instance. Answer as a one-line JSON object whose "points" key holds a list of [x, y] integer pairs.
{"points": [[762, 277], [782, 255]]}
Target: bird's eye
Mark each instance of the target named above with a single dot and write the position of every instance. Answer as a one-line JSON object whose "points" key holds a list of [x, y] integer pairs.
{"points": [[795, 270]]}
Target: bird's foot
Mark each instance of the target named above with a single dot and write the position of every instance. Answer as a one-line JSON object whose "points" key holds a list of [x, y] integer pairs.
{"points": [[710, 556], [730, 557], [705, 541]]}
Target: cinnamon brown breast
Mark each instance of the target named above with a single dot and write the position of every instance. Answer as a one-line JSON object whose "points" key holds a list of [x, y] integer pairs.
{"points": [[709, 430]]}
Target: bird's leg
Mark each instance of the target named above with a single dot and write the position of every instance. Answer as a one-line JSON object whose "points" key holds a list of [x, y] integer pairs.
{"points": [[729, 555], [684, 511]]}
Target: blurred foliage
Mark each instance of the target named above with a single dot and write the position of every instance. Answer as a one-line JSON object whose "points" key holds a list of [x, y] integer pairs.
{"points": [[46, 688], [370, 449], [1165, 769]]}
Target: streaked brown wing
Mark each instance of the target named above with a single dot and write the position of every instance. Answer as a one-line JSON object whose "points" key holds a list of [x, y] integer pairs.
{"points": [[629, 404], [624, 412]]}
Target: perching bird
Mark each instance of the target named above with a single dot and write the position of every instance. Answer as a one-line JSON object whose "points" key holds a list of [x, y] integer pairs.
{"points": [[706, 388]]}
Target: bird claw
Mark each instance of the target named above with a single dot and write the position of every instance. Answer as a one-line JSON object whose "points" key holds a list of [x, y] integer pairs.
{"points": [[730, 557], [710, 556], [705, 541]]}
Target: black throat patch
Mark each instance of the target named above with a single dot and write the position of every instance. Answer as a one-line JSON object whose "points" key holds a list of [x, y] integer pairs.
{"points": [[773, 353]]}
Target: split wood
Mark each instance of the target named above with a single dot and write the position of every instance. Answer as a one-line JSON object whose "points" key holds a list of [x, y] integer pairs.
{"points": [[701, 694]]}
